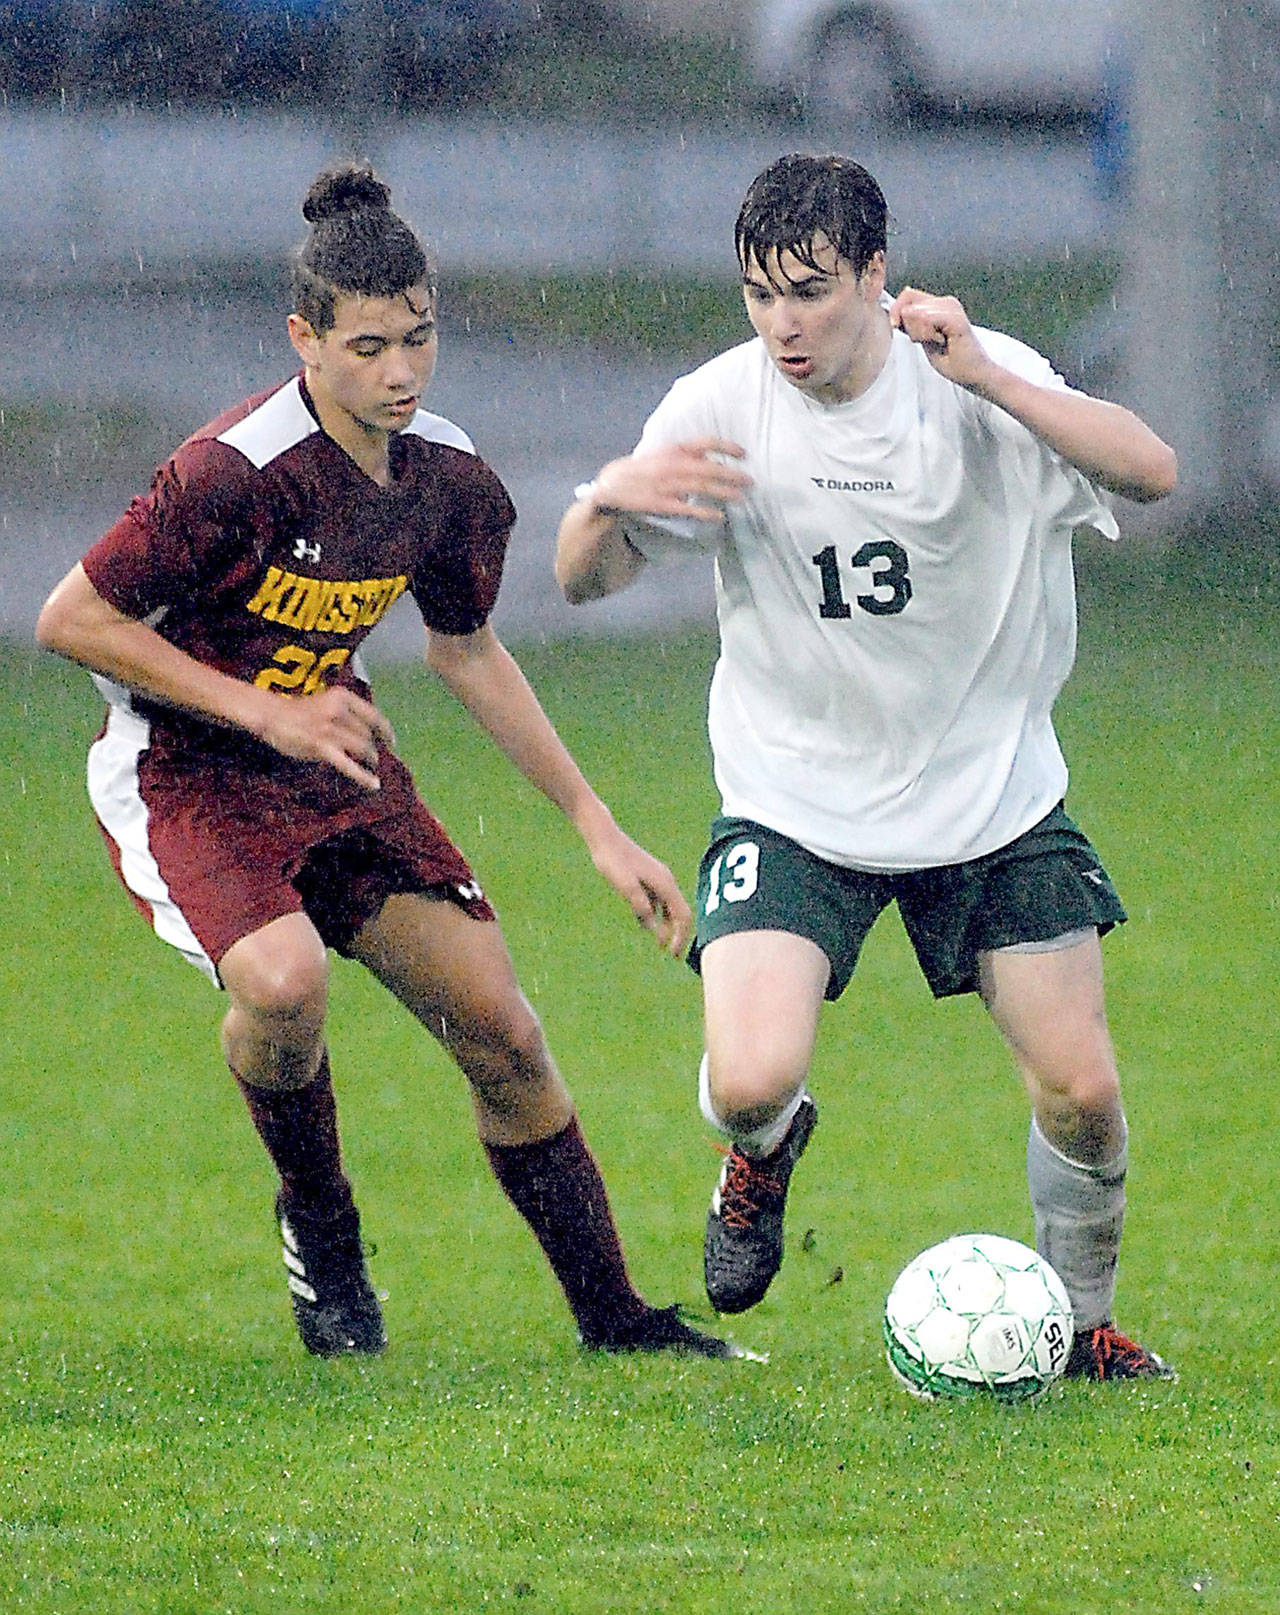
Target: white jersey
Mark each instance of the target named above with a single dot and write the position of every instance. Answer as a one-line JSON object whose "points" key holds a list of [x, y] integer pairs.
{"points": [[896, 605]]}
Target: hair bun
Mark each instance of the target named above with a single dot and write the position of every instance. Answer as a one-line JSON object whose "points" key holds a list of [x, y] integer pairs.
{"points": [[344, 190]]}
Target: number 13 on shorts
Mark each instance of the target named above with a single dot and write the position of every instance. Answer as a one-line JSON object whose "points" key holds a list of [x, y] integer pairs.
{"points": [[733, 877]]}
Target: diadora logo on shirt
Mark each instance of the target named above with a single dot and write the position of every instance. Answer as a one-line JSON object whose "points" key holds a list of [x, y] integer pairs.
{"points": [[839, 485]]}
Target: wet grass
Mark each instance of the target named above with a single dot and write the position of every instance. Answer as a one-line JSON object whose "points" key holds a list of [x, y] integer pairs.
{"points": [[167, 1446]]}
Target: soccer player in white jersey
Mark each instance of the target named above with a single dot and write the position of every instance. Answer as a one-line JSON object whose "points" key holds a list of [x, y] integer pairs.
{"points": [[889, 495]]}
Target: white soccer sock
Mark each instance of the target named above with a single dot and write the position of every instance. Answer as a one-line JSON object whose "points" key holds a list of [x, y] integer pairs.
{"points": [[762, 1140], [1079, 1214]]}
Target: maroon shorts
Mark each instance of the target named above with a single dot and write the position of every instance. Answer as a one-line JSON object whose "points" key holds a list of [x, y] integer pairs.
{"points": [[206, 869]]}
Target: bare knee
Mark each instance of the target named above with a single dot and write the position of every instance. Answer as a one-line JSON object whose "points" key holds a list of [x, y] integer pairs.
{"points": [[1080, 1111], [1050, 1009], [283, 991], [504, 1055], [762, 994], [508, 1055], [748, 1092], [273, 1030]]}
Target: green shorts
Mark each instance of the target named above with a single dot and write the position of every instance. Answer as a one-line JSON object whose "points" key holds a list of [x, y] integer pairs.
{"points": [[1043, 885]]}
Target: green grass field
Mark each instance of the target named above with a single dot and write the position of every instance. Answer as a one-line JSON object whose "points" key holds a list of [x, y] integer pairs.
{"points": [[167, 1446]]}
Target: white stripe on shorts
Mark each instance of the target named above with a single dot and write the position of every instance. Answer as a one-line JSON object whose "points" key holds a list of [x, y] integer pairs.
{"points": [[117, 800], [1052, 944]]}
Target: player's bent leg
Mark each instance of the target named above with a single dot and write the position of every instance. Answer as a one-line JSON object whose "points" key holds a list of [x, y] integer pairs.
{"points": [[455, 974], [1050, 1008], [277, 979], [763, 991]]}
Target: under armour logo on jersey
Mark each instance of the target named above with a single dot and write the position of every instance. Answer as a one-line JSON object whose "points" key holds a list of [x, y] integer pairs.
{"points": [[302, 551], [469, 891]]}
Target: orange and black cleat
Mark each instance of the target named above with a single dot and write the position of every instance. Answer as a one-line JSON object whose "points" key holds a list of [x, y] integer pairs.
{"points": [[1103, 1353]]}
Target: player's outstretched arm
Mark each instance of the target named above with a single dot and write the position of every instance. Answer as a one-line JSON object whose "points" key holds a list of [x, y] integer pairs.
{"points": [[1109, 443], [332, 726], [486, 679], [593, 555]]}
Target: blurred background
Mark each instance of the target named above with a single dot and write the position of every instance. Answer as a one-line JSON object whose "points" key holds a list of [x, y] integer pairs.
{"points": [[1099, 179]]}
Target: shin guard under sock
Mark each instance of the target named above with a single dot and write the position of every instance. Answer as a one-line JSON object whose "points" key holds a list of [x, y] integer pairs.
{"points": [[299, 1127], [556, 1187], [1079, 1214]]}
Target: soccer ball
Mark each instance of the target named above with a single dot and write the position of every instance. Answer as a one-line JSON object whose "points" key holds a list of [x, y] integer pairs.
{"points": [[978, 1315]]}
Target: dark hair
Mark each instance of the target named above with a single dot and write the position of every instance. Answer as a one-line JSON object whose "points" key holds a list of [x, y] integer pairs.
{"points": [[798, 198], [355, 244]]}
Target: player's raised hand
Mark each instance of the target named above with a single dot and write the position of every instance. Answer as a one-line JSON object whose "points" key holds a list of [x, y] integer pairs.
{"points": [[941, 327], [335, 726], [677, 479], [646, 884]]}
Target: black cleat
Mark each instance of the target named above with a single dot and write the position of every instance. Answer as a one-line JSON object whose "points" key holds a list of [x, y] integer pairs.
{"points": [[743, 1247], [1104, 1353], [663, 1329], [334, 1305]]}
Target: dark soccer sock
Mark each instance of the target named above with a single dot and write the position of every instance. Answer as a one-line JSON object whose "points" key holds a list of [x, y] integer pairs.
{"points": [[299, 1127], [556, 1187]]}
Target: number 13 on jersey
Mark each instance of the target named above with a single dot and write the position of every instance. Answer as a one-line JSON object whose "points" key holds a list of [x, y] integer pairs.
{"points": [[890, 585]]}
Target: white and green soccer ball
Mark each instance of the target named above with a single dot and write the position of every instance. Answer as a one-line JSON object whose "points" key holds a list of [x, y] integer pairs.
{"points": [[978, 1315]]}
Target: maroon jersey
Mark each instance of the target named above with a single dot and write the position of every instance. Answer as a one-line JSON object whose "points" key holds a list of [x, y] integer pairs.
{"points": [[263, 550]]}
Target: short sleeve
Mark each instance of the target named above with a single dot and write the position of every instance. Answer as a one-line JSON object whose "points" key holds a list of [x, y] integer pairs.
{"points": [[456, 580], [167, 544], [1061, 488], [681, 415], [1019, 357]]}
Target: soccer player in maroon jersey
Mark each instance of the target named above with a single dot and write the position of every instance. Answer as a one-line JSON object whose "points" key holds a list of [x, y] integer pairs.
{"points": [[249, 795]]}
